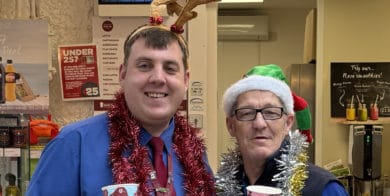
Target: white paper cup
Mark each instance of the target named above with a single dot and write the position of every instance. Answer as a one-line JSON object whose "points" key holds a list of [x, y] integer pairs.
{"points": [[120, 190], [258, 190]]}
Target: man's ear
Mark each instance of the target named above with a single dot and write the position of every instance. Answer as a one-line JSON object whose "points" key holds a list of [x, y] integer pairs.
{"points": [[187, 79], [122, 72], [230, 126], [289, 122]]}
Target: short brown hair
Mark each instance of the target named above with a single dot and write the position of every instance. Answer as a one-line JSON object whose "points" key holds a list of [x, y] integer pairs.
{"points": [[156, 37]]}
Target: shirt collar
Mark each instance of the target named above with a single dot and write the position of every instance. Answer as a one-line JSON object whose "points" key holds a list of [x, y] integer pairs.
{"points": [[166, 136]]}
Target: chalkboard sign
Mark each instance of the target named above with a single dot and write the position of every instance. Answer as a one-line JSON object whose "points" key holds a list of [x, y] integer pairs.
{"points": [[361, 83]]}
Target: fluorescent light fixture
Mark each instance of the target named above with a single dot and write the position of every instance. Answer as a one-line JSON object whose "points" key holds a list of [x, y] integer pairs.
{"points": [[236, 26], [241, 1]]}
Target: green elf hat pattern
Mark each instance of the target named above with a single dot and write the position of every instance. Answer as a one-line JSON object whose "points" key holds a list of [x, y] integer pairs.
{"points": [[301, 108]]}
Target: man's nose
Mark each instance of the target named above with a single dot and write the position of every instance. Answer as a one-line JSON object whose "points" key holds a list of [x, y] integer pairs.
{"points": [[259, 120], [157, 75]]}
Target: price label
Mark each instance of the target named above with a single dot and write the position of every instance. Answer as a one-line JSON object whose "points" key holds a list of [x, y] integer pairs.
{"points": [[35, 154], [90, 89]]}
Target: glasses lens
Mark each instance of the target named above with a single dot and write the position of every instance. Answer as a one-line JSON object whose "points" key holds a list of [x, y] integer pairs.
{"points": [[245, 114], [248, 114], [271, 113]]}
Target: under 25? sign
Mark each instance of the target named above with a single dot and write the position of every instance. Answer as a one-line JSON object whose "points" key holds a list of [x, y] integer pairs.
{"points": [[79, 72]]}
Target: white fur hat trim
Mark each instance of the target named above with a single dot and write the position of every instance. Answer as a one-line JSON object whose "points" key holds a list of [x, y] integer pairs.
{"points": [[256, 82]]}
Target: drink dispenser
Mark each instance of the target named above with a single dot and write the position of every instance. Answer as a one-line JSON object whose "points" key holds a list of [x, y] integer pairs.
{"points": [[366, 157]]}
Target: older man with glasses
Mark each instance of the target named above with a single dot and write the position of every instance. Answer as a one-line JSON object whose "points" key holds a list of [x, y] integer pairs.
{"points": [[259, 115]]}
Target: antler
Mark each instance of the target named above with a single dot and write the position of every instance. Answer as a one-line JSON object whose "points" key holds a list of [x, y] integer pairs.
{"points": [[155, 16], [174, 8], [186, 14]]}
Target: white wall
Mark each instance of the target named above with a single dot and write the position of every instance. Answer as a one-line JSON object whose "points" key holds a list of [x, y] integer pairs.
{"points": [[349, 31]]}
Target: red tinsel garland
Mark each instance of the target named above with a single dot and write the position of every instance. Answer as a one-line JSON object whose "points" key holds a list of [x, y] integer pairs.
{"points": [[124, 131]]}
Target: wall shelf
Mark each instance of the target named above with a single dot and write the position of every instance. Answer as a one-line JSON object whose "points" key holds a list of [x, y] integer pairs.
{"points": [[380, 121], [38, 106]]}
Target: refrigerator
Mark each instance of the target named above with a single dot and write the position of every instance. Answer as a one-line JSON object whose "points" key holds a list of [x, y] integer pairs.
{"points": [[302, 83]]}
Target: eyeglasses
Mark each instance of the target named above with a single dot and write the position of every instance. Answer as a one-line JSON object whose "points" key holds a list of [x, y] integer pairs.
{"points": [[249, 114]]}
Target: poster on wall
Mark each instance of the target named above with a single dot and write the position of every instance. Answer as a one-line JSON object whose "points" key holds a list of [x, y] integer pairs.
{"points": [[109, 35], [360, 82], [24, 51], [78, 72]]}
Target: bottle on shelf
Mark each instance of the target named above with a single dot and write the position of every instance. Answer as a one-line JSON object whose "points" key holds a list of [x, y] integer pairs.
{"points": [[374, 113], [11, 189], [5, 137], [350, 111], [10, 81], [362, 112], [20, 134], [2, 81]]}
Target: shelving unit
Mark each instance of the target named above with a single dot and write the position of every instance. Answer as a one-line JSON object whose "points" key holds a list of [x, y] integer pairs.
{"points": [[14, 151], [18, 160], [15, 158]]}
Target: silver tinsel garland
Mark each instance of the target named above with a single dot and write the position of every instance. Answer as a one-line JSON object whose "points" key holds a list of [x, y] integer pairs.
{"points": [[292, 164], [226, 183]]}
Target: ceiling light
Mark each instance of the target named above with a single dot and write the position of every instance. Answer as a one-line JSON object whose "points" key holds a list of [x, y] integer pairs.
{"points": [[241, 1]]}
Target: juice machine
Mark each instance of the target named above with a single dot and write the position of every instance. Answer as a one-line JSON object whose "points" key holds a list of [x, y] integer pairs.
{"points": [[366, 158]]}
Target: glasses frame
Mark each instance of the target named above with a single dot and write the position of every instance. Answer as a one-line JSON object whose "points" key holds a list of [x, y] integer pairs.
{"points": [[258, 111]]}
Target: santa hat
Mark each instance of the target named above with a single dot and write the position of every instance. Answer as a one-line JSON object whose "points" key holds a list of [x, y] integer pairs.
{"points": [[279, 88], [301, 108]]}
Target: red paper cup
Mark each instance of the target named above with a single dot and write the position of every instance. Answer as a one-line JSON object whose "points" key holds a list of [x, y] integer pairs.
{"points": [[258, 190]]}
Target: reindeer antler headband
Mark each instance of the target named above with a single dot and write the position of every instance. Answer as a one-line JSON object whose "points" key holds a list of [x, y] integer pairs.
{"points": [[184, 13], [155, 21], [173, 7]]}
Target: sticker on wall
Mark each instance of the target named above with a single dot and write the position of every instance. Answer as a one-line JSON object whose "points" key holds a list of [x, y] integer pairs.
{"points": [[196, 89], [196, 120], [196, 104]]}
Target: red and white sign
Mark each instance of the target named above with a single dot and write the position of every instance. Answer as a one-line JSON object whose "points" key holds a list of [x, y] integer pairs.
{"points": [[79, 72]]}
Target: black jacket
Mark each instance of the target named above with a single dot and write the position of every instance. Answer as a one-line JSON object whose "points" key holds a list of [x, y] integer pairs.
{"points": [[314, 184]]}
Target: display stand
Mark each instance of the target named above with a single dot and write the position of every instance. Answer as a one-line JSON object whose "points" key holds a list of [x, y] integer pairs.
{"points": [[364, 153], [14, 153], [14, 141]]}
